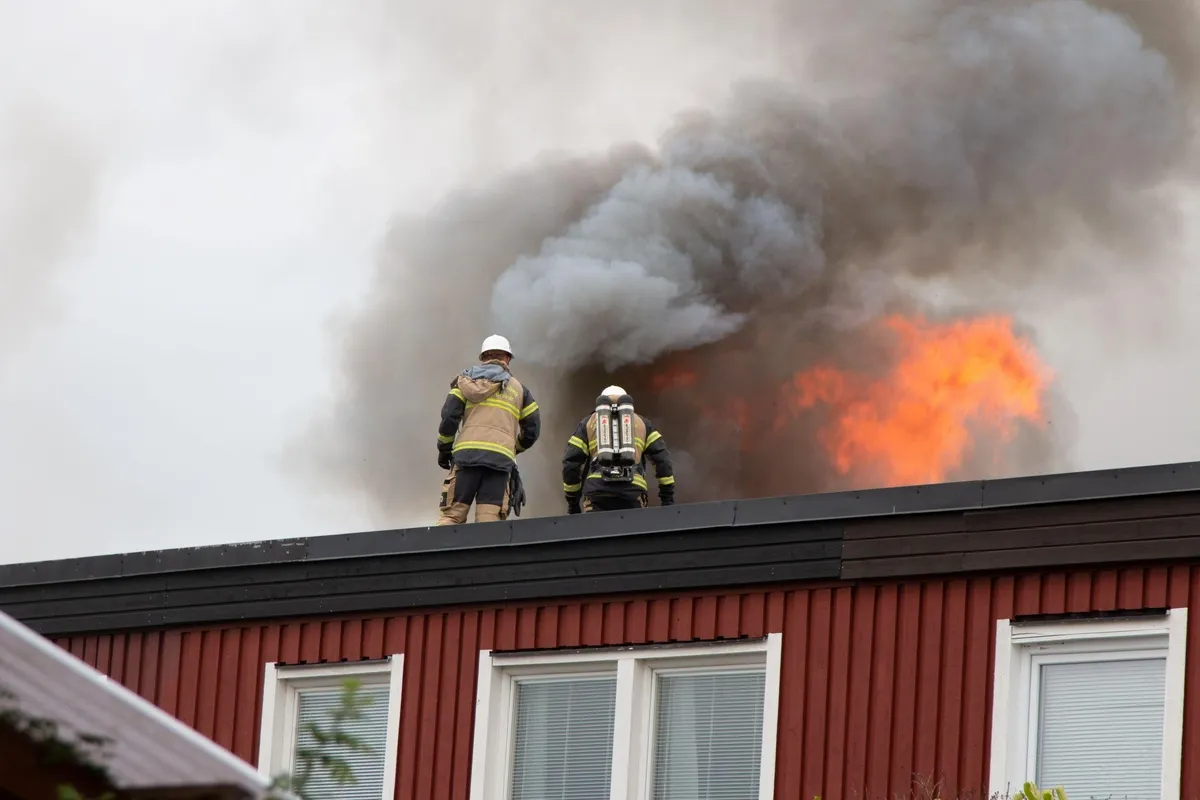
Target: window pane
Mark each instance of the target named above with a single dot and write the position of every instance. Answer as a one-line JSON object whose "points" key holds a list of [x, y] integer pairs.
{"points": [[318, 705], [563, 745], [1100, 728], [709, 736]]}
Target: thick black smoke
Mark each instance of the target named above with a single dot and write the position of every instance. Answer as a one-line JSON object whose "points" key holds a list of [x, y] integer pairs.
{"points": [[988, 146]]}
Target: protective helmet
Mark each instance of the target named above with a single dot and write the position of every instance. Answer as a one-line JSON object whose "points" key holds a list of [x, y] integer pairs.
{"points": [[496, 342], [613, 391]]}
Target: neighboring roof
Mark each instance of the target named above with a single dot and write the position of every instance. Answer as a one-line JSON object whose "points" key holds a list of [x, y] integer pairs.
{"points": [[1137, 514], [149, 749]]}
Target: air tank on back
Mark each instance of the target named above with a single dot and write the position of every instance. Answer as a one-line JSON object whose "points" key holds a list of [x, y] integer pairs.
{"points": [[606, 447], [625, 448]]}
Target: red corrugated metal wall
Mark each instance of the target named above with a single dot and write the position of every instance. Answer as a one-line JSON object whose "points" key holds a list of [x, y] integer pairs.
{"points": [[880, 681]]}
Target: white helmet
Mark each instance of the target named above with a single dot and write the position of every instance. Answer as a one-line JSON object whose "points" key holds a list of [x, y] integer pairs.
{"points": [[613, 391], [496, 342]]}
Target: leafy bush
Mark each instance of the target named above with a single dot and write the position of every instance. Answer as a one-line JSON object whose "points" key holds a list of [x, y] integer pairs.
{"points": [[924, 788], [1031, 792]]}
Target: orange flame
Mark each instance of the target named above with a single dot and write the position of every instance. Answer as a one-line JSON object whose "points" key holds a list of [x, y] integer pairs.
{"points": [[914, 425], [673, 378]]}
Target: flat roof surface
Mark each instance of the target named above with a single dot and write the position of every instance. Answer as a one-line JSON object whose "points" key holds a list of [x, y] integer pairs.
{"points": [[1139, 514], [148, 747], [904, 500]]}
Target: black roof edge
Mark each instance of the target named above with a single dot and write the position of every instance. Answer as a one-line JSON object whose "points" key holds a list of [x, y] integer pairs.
{"points": [[659, 647], [924, 499], [1083, 616]]}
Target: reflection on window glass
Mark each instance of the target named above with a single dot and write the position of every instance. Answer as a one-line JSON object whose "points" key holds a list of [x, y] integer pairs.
{"points": [[1100, 728], [708, 736], [318, 705], [563, 745]]}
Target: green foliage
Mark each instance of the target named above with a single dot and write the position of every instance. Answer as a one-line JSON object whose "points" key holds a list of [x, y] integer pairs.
{"points": [[317, 755], [69, 792], [925, 788], [1031, 792]]}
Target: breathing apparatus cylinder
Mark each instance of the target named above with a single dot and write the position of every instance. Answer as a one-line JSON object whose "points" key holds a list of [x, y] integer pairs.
{"points": [[606, 447], [625, 448]]}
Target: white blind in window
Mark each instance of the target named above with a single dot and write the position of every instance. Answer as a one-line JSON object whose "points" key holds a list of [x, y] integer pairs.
{"points": [[709, 736], [1100, 728], [318, 705], [563, 745]]}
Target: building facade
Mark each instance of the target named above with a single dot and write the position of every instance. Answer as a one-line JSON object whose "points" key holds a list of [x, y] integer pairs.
{"points": [[859, 645]]}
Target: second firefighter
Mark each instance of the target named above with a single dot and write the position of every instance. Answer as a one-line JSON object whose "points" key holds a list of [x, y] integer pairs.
{"points": [[604, 467]]}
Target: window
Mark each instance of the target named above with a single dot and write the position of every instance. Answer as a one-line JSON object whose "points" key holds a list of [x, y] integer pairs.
{"points": [[1095, 706], [294, 696], [645, 723], [563, 737]]}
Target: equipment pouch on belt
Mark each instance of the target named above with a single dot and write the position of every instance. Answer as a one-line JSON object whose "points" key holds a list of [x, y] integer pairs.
{"points": [[616, 474]]}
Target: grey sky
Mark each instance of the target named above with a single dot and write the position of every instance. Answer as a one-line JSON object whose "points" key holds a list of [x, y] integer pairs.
{"points": [[191, 199]]}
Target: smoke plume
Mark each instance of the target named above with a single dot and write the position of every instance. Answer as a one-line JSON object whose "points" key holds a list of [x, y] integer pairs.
{"points": [[49, 182], [992, 147]]}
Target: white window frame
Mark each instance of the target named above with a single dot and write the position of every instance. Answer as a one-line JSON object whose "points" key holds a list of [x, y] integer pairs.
{"points": [[1022, 647], [635, 669], [281, 684]]}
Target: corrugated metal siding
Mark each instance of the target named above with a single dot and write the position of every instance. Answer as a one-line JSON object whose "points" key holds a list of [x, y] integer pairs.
{"points": [[881, 680]]}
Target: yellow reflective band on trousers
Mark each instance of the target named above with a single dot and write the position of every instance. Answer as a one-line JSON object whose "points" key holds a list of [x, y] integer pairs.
{"points": [[637, 481], [667, 481], [572, 487], [489, 446], [494, 403]]}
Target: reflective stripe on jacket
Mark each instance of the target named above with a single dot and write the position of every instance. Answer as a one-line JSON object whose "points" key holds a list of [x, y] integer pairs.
{"points": [[486, 423]]}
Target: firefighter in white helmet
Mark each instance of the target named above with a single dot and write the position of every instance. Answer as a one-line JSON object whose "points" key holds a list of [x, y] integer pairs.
{"points": [[488, 417], [604, 467]]}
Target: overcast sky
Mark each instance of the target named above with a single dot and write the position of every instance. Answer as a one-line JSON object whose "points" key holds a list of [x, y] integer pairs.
{"points": [[191, 196], [192, 193]]}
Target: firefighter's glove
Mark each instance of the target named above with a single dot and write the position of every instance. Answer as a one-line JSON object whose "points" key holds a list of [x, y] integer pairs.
{"points": [[573, 506], [444, 460]]}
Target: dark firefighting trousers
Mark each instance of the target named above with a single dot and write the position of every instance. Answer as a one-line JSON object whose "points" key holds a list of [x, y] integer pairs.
{"points": [[486, 487]]}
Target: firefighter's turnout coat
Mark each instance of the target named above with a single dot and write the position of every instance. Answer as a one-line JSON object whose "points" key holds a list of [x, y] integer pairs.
{"points": [[488, 418], [580, 477]]}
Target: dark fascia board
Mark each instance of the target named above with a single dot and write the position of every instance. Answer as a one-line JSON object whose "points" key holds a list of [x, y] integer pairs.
{"points": [[699, 558], [960, 496]]}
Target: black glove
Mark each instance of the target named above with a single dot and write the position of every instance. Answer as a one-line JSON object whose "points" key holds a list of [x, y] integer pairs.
{"points": [[573, 506], [444, 459], [516, 492]]}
